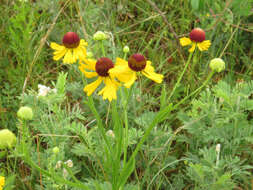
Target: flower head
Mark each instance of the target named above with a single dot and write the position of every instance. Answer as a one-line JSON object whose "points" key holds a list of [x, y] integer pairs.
{"points": [[126, 49], [197, 38], [99, 35], [72, 49], [56, 150], [7, 139], [100, 69], [25, 113], [2, 182], [44, 90], [126, 71], [217, 65]]}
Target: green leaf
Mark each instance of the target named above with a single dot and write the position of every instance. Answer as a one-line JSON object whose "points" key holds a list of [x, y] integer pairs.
{"points": [[127, 170], [195, 4]]}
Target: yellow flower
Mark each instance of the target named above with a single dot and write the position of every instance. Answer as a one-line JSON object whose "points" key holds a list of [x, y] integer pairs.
{"points": [[126, 72], [72, 49], [2, 182], [92, 68], [197, 38]]}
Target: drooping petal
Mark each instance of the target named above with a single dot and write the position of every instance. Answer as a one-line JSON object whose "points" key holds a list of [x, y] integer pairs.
{"points": [[110, 90], [89, 74], [203, 46], [121, 62], [81, 53], [59, 54], [68, 58], [90, 64], [124, 74], [56, 46], [150, 73], [90, 88], [131, 80], [193, 47], [83, 43], [185, 41]]}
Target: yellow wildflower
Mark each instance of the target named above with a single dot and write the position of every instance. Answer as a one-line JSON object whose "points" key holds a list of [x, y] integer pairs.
{"points": [[100, 69], [72, 49], [126, 71], [197, 38]]}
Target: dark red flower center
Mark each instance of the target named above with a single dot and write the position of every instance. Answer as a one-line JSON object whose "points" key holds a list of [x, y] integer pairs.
{"points": [[103, 65], [197, 35], [137, 62], [71, 40]]}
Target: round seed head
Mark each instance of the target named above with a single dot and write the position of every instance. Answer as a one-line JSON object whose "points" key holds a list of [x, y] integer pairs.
{"points": [[197, 35], [217, 65], [99, 35], [137, 62], [25, 113], [7, 139], [71, 40], [103, 65], [126, 49]]}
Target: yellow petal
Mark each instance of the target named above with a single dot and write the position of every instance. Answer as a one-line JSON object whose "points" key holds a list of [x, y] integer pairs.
{"points": [[90, 64], [151, 74], [120, 61], [110, 90], [89, 74], [59, 54], [81, 52], [68, 58], [193, 47], [124, 74], [83, 43], [185, 41], [131, 80], [75, 54], [56, 46], [203, 46], [90, 88]]}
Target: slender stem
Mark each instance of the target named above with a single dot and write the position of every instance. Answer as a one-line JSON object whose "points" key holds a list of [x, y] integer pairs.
{"points": [[159, 117], [197, 90], [181, 76], [102, 47]]}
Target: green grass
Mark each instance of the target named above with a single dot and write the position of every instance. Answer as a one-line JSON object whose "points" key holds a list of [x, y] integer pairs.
{"points": [[179, 152]]}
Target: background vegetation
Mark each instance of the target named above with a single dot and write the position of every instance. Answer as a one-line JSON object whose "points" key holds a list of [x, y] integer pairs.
{"points": [[181, 151]]}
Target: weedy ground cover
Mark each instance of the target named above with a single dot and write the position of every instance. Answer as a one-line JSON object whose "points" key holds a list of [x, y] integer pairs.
{"points": [[125, 95]]}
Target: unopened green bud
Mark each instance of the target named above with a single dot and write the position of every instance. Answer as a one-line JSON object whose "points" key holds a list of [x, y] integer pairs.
{"points": [[99, 35], [126, 49], [89, 55], [56, 150], [217, 65], [7, 139], [25, 113]]}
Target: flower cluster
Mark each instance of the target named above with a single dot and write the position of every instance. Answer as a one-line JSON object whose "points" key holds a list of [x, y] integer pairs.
{"points": [[103, 69]]}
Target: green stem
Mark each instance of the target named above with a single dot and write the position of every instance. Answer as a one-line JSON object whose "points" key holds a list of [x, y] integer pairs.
{"points": [[102, 47], [197, 90], [181, 76], [159, 117]]}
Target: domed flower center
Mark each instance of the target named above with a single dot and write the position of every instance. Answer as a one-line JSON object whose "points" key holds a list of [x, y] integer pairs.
{"points": [[137, 62], [197, 35], [103, 65], [71, 40]]}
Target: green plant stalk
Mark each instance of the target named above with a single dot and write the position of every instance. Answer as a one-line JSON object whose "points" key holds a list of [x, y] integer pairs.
{"points": [[127, 96], [158, 118], [102, 48], [181, 76], [97, 116], [195, 91]]}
